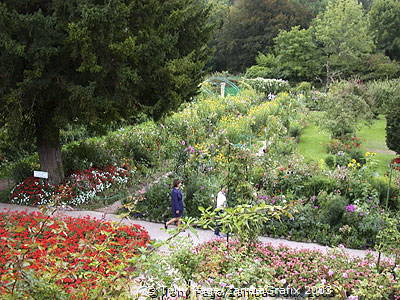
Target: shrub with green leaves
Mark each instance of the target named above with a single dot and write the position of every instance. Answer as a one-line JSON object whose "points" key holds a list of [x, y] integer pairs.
{"points": [[85, 154], [155, 203], [332, 207], [382, 94], [24, 168], [344, 109], [267, 67], [244, 221], [393, 129]]}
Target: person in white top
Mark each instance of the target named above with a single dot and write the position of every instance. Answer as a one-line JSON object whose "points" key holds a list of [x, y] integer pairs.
{"points": [[221, 204], [221, 198]]}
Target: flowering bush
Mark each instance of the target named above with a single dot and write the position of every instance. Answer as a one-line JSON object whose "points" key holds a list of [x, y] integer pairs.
{"points": [[80, 188], [346, 144], [77, 253], [267, 86], [32, 191], [396, 162]]}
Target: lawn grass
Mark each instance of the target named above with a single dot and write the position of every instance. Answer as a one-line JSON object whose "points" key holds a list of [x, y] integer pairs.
{"points": [[374, 140], [313, 143]]}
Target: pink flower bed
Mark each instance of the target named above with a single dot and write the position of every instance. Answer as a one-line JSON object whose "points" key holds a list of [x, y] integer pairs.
{"points": [[283, 267]]}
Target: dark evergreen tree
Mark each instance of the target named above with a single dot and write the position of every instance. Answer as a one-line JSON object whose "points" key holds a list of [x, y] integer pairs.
{"points": [[393, 129], [87, 60]]}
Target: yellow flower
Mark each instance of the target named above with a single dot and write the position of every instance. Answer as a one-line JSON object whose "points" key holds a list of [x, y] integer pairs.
{"points": [[370, 154]]}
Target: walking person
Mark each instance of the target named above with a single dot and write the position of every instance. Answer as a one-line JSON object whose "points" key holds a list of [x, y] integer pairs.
{"points": [[176, 204], [221, 204]]}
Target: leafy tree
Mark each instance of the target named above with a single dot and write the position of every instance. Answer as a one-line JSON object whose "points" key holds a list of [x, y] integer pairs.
{"points": [[298, 55], [294, 57], [343, 33], [385, 21], [250, 28], [90, 60], [315, 6]]}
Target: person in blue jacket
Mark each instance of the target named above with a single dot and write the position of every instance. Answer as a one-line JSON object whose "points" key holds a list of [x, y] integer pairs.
{"points": [[176, 204]]}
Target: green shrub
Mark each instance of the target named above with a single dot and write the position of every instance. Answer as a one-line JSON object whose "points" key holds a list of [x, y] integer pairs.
{"points": [[305, 226], [381, 184], [315, 184], [40, 287], [332, 208], [267, 67], [264, 115], [295, 131], [155, 205], [24, 168], [393, 129], [303, 87], [345, 108], [379, 66], [85, 154], [369, 226], [382, 94], [330, 161], [200, 190]]}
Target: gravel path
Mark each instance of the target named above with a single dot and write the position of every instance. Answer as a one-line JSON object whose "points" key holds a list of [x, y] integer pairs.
{"points": [[156, 232]]}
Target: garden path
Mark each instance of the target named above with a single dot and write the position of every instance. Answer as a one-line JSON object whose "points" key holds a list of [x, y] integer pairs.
{"points": [[156, 232]]}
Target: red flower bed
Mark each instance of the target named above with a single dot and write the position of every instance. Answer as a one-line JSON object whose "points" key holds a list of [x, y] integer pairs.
{"points": [[78, 251], [80, 188], [33, 191]]}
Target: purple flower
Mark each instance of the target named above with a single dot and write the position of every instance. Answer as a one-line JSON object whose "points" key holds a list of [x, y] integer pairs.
{"points": [[183, 143], [351, 208], [190, 149]]}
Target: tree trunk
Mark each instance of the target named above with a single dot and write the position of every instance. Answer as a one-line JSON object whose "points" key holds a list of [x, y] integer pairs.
{"points": [[49, 149]]}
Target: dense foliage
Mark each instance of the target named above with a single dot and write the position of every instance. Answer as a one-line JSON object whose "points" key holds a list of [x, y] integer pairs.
{"points": [[81, 62], [251, 26], [393, 130], [385, 21]]}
